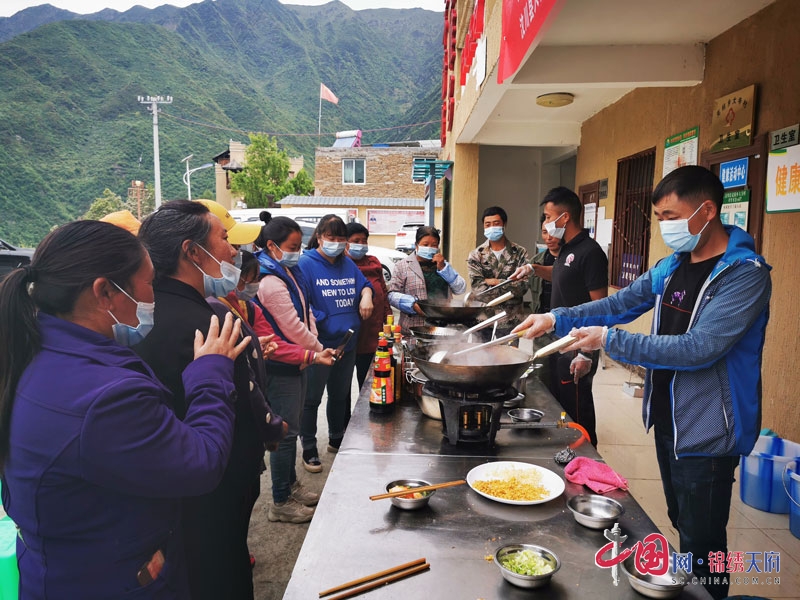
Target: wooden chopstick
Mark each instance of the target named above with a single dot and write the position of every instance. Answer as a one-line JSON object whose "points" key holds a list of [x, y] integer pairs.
{"points": [[344, 586], [423, 488], [383, 581]]}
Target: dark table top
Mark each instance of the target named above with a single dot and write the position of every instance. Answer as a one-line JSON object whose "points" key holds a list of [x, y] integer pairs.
{"points": [[352, 536]]}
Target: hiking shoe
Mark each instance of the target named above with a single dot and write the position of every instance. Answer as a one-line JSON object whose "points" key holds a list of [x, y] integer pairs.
{"points": [[303, 495], [311, 461], [290, 511], [333, 445]]}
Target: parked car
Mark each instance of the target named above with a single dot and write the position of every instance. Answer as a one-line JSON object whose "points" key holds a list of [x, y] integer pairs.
{"points": [[12, 257], [387, 256], [405, 238]]}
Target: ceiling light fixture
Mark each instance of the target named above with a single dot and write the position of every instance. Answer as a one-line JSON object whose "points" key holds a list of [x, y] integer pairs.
{"points": [[555, 100]]}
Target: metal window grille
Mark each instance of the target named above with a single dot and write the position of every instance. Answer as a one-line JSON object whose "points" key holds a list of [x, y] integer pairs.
{"points": [[629, 248]]}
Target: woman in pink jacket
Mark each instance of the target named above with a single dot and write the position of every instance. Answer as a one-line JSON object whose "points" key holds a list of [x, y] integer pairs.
{"points": [[286, 311]]}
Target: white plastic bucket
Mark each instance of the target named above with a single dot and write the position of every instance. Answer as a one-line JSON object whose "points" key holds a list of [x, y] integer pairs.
{"points": [[761, 474]]}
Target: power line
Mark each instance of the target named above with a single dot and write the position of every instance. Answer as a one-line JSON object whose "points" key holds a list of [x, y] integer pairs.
{"points": [[245, 131]]}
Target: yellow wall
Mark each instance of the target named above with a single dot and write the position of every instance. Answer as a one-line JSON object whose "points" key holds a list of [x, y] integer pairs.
{"points": [[760, 50]]}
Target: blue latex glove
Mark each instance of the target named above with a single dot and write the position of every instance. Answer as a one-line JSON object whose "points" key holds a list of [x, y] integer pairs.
{"points": [[406, 303], [448, 273]]}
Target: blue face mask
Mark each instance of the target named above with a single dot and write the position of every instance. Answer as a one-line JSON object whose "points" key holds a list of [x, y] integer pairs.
{"points": [[677, 236], [237, 260], [250, 290], [287, 259], [127, 335], [493, 234], [358, 251], [333, 249], [219, 287], [427, 252]]}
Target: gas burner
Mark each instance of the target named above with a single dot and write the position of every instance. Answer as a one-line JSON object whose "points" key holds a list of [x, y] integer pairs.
{"points": [[472, 395], [469, 415]]}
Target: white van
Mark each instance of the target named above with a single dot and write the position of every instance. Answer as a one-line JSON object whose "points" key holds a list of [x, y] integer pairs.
{"points": [[301, 214]]}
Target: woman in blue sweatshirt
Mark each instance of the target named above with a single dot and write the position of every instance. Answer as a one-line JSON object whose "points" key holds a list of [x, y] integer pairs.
{"points": [[340, 298]]}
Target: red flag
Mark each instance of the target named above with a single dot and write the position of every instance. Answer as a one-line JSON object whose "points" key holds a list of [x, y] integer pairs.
{"points": [[326, 94]]}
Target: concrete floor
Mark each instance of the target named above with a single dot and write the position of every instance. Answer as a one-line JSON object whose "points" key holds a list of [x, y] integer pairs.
{"points": [[622, 443]]}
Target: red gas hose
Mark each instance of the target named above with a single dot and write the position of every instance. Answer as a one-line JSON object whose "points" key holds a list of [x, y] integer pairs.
{"points": [[584, 434]]}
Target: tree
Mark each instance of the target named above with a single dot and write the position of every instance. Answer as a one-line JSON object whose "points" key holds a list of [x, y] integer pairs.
{"points": [[107, 203], [302, 184], [265, 176]]}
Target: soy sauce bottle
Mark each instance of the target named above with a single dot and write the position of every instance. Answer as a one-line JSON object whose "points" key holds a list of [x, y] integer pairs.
{"points": [[381, 397]]}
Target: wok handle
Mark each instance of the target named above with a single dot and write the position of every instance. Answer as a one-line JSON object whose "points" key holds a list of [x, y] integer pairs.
{"points": [[499, 341]]}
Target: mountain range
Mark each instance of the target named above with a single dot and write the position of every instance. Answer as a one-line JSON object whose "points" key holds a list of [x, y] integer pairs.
{"points": [[71, 125]]}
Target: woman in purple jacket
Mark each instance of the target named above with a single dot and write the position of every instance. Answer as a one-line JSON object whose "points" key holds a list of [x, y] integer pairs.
{"points": [[93, 459]]}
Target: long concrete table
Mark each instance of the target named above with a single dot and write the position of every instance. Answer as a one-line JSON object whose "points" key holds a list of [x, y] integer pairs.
{"points": [[352, 536]]}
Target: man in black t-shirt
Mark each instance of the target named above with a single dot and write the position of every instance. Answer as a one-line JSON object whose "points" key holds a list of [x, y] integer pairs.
{"points": [[579, 274]]}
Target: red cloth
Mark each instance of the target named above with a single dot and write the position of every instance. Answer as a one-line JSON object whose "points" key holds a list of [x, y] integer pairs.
{"points": [[597, 476], [372, 269]]}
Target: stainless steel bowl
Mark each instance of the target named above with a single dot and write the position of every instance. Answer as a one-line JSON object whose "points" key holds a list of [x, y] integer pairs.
{"points": [[410, 503], [526, 581], [525, 415], [595, 512], [669, 585]]}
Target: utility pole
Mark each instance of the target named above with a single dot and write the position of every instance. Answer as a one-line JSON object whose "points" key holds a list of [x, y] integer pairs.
{"points": [[154, 101]]}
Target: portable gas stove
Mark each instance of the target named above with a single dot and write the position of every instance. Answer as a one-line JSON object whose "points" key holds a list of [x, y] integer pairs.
{"points": [[470, 415]]}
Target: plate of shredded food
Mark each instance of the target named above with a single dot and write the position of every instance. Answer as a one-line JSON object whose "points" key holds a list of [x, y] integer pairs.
{"points": [[515, 482]]}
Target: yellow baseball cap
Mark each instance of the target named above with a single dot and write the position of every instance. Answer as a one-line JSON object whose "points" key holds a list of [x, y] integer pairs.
{"points": [[238, 233], [124, 219]]}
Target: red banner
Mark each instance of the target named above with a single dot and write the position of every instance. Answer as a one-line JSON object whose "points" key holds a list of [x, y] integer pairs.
{"points": [[522, 21]]}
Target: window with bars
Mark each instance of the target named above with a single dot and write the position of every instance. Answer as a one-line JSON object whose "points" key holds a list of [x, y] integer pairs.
{"points": [[632, 211], [353, 170]]}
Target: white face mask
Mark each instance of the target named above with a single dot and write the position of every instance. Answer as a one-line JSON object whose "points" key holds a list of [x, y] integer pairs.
{"points": [[676, 233], [552, 230], [128, 335]]}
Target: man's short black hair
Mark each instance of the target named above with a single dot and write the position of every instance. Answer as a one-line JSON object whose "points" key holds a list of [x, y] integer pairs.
{"points": [[692, 184], [566, 200], [495, 210]]}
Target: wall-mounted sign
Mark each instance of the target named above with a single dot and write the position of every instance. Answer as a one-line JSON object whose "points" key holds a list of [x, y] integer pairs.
{"points": [[387, 221], [732, 121], [735, 206], [602, 191], [783, 180], [680, 150], [522, 22], [783, 138], [733, 173]]}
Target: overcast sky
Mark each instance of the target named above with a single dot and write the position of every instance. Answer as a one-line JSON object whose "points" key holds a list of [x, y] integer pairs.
{"points": [[9, 7]]}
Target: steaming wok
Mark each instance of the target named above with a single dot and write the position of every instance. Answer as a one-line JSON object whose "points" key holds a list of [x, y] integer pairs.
{"points": [[496, 366], [454, 311]]}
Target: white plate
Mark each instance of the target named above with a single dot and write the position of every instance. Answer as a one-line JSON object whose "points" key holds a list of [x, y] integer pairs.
{"points": [[498, 470]]}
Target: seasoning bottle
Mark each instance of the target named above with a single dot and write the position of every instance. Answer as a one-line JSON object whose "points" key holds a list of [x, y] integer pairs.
{"points": [[381, 398], [399, 375]]}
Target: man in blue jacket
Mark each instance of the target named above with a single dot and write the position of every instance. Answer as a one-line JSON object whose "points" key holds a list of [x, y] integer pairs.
{"points": [[703, 355]]}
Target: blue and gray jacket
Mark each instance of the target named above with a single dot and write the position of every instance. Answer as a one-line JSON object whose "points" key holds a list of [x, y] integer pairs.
{"points": [[716, 390]]}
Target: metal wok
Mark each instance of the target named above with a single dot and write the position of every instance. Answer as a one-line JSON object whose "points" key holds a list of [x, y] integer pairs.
{"points": [[496, 366], [434, 334], [454, 311]]}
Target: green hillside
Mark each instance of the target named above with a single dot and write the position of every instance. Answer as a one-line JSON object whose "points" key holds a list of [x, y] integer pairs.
{"points": [[71, 125]]}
